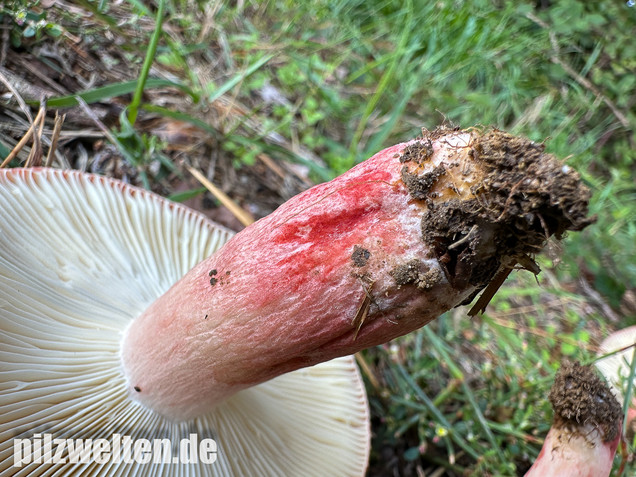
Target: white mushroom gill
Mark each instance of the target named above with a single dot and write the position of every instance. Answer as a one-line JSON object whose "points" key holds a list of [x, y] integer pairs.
{"points": [[80, 257]]}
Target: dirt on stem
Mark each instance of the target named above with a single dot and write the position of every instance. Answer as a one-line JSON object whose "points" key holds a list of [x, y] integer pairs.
{"points": [[494, 206], [579, 397]]}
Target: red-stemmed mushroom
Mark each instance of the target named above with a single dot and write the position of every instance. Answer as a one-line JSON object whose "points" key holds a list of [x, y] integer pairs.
{"points": [[382, 250]]}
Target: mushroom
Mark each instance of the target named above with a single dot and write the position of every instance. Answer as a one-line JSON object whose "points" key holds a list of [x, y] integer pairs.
{"points": [[616, 367], [80, 257], [380, 251], [586, 427]]}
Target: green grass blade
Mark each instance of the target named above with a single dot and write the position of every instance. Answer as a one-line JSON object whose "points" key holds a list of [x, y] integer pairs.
{"points": [[140, 6], [378, 139], [186, 195], [4, 151], [145, 69], [95, 10], [437, 413], [397, 56], [485, 425], [629, 392], [109, 91], [179, 116], [237, 78], [440, 347]]}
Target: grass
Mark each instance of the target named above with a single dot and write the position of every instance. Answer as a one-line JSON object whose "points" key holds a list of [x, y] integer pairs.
{"points": [[463, 388], [325, 84]]}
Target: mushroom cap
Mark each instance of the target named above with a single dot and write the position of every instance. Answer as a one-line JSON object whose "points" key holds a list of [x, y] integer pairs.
{"points": [[615, 368], [80, 257]]}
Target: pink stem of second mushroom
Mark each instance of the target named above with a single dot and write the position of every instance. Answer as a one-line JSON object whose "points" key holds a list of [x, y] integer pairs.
{"points": [[582, 455], [586, 427]]}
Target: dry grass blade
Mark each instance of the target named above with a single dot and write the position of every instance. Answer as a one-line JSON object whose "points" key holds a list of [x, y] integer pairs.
{"points": [[5, 41], [361, 315], [14, 92], [35, 157], [366, 368], [57, 128], [622, 117], [268, 161], [89, 112], [243, 216], [18, 147], [487, 295]]}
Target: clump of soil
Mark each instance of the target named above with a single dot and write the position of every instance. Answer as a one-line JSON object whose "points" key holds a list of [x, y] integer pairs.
{"points": [[578, 397], [414, 272], [360, 256], [420, 186], [418, 152], [493, 204]]}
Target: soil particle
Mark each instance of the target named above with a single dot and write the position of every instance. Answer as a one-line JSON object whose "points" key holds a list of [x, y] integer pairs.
{"points": [[578, 397], [419, 186], [418, 152], [360, 256], [415, 272], [521, 197]]}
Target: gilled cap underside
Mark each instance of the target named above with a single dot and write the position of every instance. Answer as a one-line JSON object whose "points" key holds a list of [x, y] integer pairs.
{"points": [[80, 257]]}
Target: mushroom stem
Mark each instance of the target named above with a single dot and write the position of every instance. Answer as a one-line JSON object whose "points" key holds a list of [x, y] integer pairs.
{"points": [[586, 430], [380, 251], [581, 455]]}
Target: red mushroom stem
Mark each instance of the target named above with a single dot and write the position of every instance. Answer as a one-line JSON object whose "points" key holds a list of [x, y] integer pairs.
{"points": [[380, 251]]}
